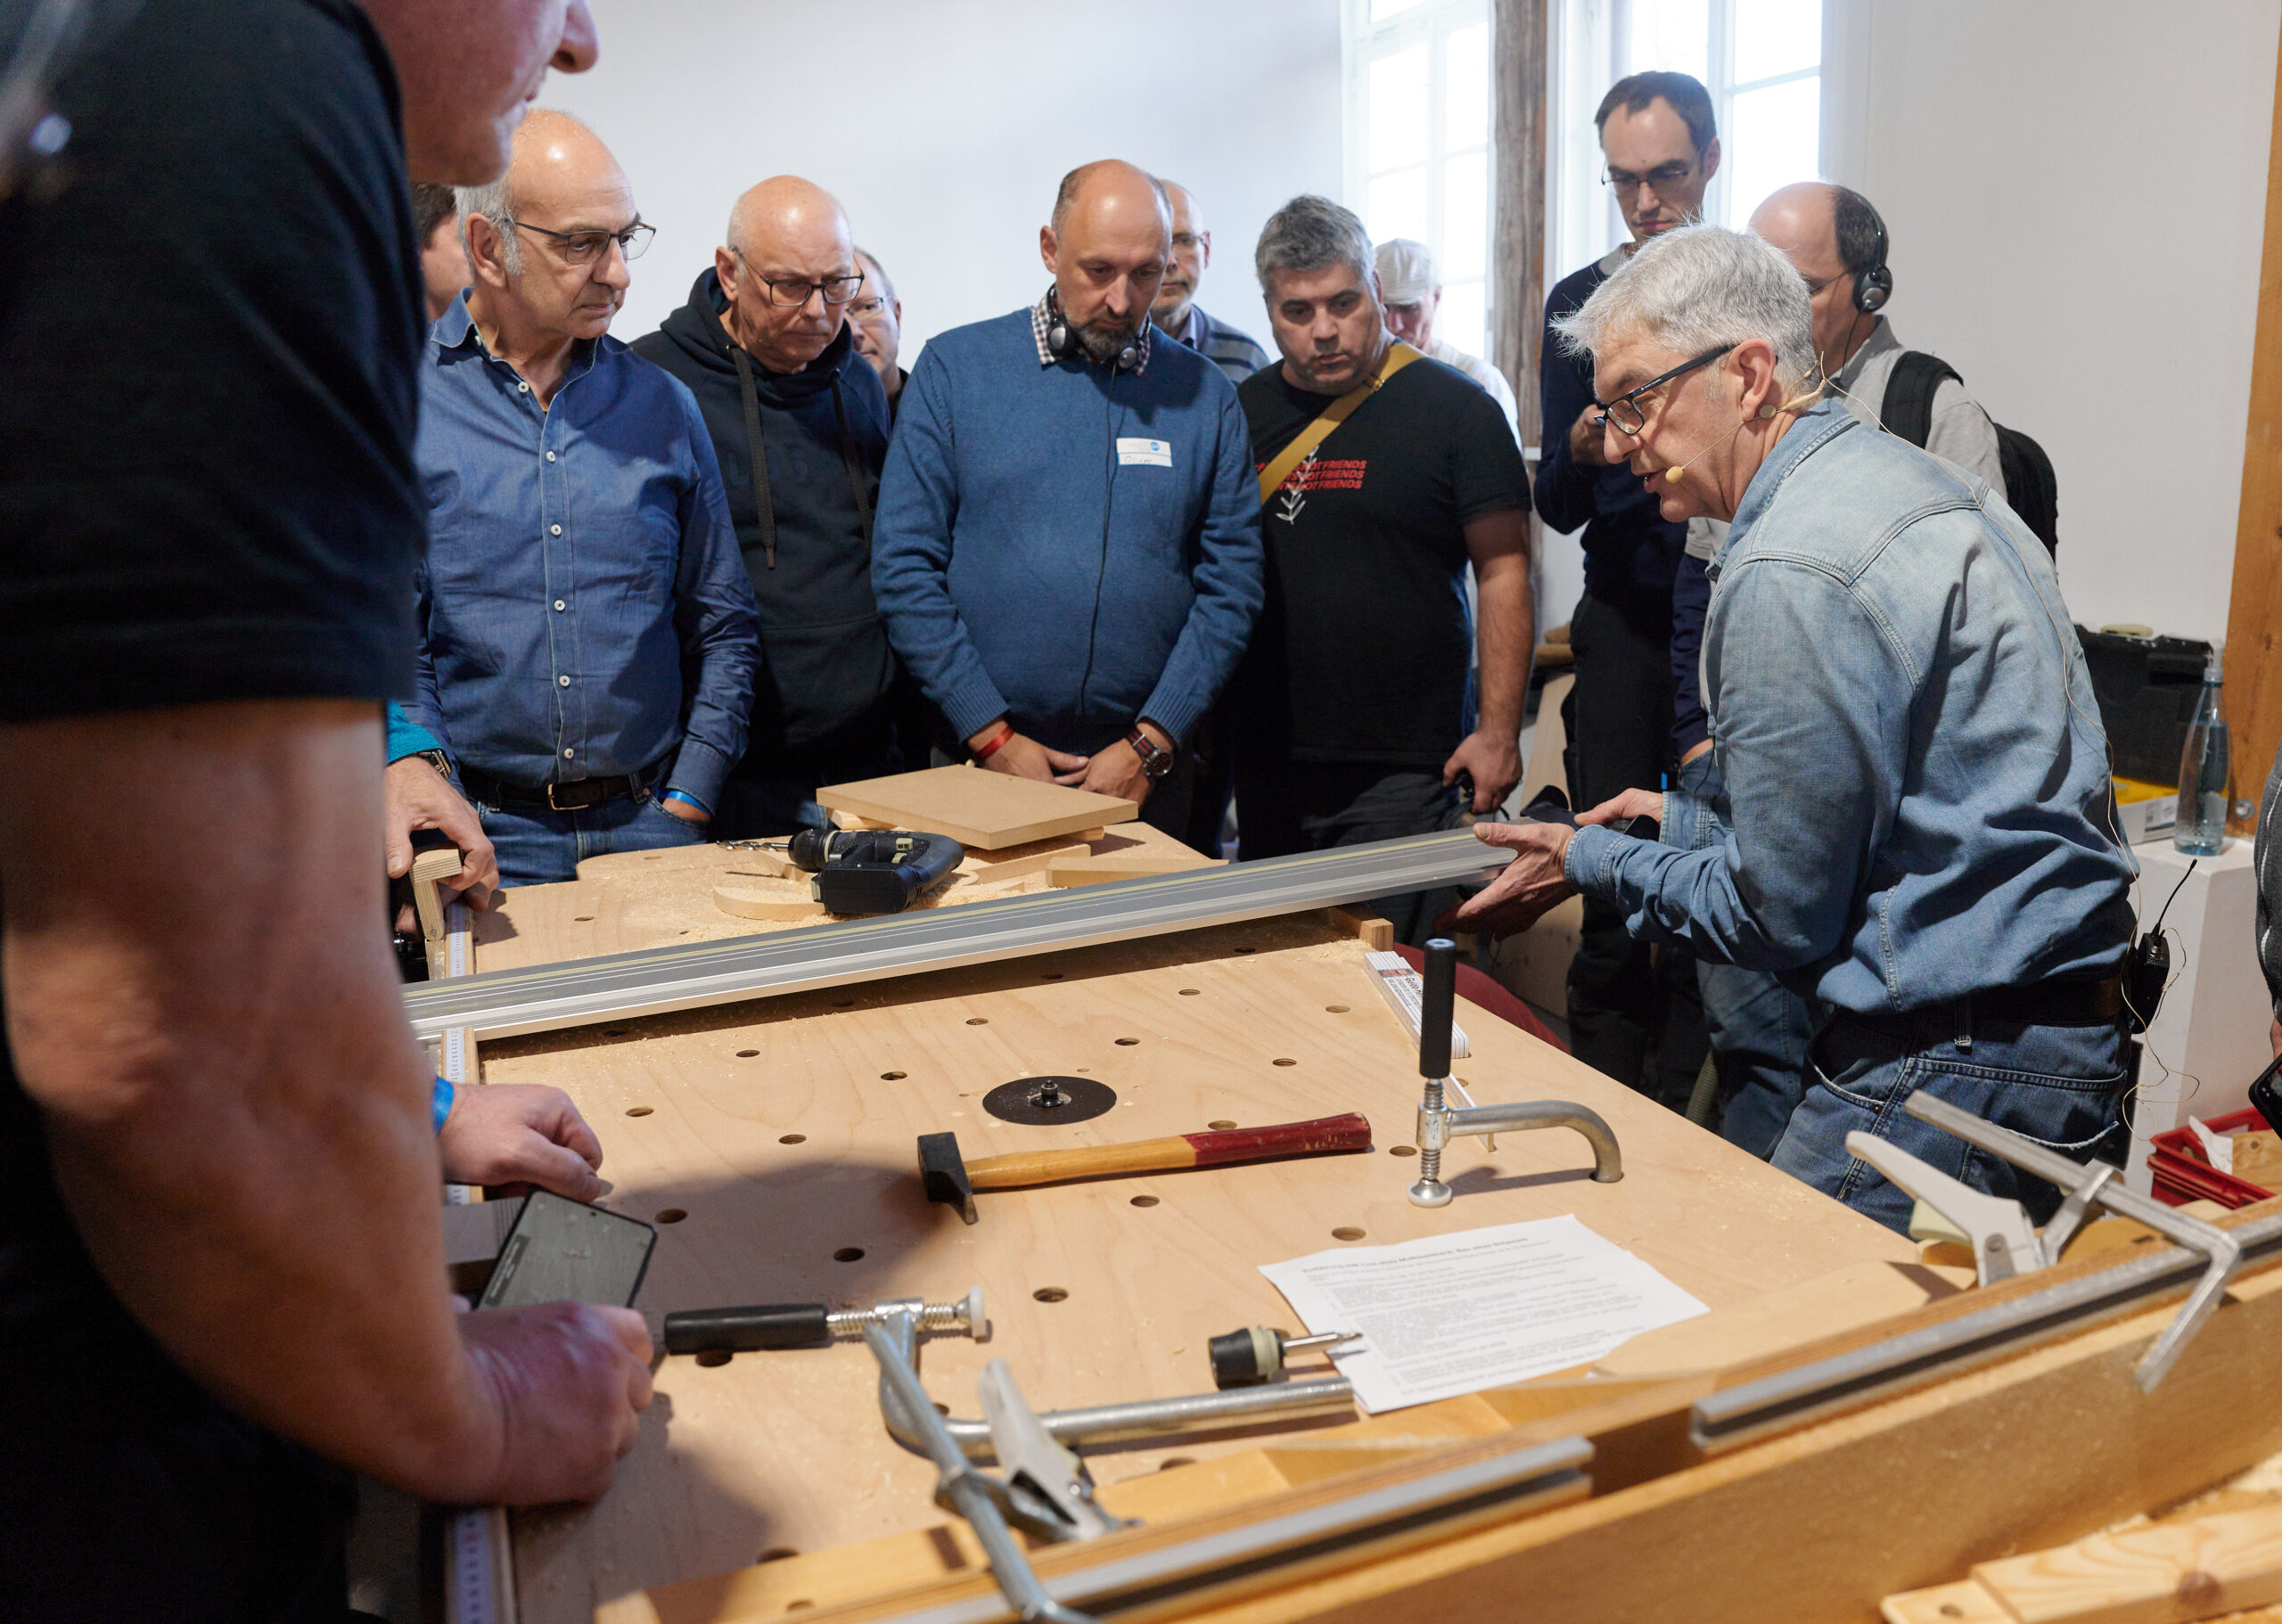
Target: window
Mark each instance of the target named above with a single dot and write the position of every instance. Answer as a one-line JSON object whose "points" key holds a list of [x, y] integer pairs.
{"points": [[1418, 137], [1762, 60]]}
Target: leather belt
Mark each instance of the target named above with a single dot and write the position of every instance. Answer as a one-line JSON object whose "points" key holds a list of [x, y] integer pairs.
{"points": [[2061, 1002], [576, 796]]}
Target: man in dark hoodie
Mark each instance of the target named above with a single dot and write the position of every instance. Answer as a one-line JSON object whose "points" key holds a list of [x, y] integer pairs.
{"points": [[800, 421]]}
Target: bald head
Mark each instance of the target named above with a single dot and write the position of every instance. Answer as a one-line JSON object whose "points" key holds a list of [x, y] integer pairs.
{"points": [[793, 233], [1107, 188], [532, 236], [1191, 254], [1801, 217], [1108, 249], [1830, 235]]}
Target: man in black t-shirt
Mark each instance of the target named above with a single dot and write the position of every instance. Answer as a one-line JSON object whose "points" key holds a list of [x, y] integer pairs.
{"points": [[219, 1155], [1356, 705]]}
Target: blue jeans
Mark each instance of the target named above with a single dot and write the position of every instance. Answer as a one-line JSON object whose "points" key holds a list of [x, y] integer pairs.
{"points": [[2057, 1084], [537, 847], [1758, 1029]]}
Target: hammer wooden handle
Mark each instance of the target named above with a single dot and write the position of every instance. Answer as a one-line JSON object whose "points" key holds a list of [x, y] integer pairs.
{"points": [[1351, 1132]]}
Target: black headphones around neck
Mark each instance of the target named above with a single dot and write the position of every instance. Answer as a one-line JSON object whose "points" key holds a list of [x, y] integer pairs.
{"points": [[1874, 282], [1063, 343]]}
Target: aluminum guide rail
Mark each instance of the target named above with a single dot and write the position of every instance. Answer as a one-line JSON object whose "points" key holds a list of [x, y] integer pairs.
{"points": [[1738, 1413], [656, 980]]}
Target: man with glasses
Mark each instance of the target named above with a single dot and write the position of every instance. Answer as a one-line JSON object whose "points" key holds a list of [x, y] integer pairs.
{"points": [[1629, 1015], [1913, 823], [1068, 546], [799, 423], [877, 318], [587, 632], [1176, 312], [1834, 239]]}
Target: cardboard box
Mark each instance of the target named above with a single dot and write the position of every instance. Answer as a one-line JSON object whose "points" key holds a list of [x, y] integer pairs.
{"points": [[2146, 811]]}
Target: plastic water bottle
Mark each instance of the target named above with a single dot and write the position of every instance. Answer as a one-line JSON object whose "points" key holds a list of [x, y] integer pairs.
{"points": [[2201, 828]]}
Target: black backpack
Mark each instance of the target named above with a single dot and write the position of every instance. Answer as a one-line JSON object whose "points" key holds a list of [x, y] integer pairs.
{"points": [[2029, 488]]}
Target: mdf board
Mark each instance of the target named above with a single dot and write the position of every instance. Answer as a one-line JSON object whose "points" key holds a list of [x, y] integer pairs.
{"points": [[976, 807], [774, 1144]]}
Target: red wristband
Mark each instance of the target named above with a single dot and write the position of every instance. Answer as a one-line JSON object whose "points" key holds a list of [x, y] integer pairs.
{"points": [[991, 746]]}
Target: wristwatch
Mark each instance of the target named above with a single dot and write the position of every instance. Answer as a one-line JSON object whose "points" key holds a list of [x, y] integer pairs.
{"points": [[437, 759], [1155, 763]]}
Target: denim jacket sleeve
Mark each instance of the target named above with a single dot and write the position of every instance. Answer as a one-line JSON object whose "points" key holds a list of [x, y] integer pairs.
{"points": [[717, 623], [1230, 581], [911, 556], [1814, 712]]}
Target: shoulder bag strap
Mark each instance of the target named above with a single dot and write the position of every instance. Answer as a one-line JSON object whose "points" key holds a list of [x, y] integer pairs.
{"points": [[1399, 356]]}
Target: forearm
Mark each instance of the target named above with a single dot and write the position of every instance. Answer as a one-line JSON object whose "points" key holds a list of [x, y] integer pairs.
{"points": [[1506, 640], [201, 1001]]}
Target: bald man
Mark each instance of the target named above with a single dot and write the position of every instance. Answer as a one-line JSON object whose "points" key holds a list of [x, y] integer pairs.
{"points": [[587, 631], [1835, 240], [1068, 550], [1233, 351], [799, 423]]}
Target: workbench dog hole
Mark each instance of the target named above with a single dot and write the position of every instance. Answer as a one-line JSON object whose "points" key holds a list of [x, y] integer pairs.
{"points": [[792, 1138], [1402, 1150], [848, 1254], [639, 1111], [584, 919], [1127, 1043], [893, 1077], [672, 1215], [1335, 1009], [1051, 1293], [1347, 1232], [714, 1359], [748, 1054], [1287, 1062], [1190, 992], [977, 1020], [1145, 1200], [1219, 1125]]}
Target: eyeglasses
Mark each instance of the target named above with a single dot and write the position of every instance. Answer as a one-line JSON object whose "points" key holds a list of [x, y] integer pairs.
{"points": [[1814, 288], [1661, 180], [585, 247], [863, 307], [1625, 412], [790, 293]]}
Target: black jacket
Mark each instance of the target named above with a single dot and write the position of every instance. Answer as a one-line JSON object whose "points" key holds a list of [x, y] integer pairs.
{"points": [[824, 690]]}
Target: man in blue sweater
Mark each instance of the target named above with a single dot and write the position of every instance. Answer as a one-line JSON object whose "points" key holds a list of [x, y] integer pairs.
{"points": [[1068, 545]]}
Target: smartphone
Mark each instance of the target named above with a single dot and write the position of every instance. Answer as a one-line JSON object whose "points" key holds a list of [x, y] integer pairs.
{"points": [[2267, 1096], [563, 1250]]}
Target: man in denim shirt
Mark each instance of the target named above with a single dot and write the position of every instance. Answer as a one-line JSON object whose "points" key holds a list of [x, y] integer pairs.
{"points": [[1916, 826], [580, 557]]}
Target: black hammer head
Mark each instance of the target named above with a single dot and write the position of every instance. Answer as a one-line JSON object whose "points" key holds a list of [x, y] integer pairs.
{"points": [[943, 1171]]}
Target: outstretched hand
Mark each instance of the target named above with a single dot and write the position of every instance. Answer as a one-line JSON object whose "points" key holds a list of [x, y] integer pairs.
{"points": [[1526, 888]]}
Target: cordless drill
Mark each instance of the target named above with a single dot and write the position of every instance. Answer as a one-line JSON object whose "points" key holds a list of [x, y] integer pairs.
{"points": [[872, 871]]}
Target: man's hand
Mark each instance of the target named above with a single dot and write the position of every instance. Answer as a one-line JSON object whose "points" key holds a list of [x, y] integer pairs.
{"points": [[1022, 757], [683, 810], [1526, 888], [566, 1382], [1630, 804], [1118, 770], [1586, 446], [1495, 763], [416, 796], [520, 1134]]}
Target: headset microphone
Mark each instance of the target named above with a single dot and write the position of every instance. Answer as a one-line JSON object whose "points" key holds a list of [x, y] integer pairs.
{"points": [[1808, 397]]}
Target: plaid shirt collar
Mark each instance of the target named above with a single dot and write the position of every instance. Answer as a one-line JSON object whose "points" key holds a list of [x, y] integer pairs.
{"points": [[1041, 318]]}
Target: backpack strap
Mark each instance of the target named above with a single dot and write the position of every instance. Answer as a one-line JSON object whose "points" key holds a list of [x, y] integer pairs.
{"points": [[1907, 408]]}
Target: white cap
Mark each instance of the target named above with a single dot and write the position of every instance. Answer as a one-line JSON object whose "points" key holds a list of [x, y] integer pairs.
{"points": [[1406, 271]]}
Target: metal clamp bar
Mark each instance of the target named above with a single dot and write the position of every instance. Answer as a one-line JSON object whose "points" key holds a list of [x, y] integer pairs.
{"points": [[2220, 1248], [1738, 1413], [961, 1487], [658, 980], [1103, 1424]]}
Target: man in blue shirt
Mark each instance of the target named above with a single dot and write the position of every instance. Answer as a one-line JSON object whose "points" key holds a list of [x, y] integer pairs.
{"points": [[1914, 823], [1068, 547], [1660, 151], [580, 557]]}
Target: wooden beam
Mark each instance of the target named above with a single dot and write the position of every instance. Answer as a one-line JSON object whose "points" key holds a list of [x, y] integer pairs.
{"points": [[1517, 251], [2254, 611]]}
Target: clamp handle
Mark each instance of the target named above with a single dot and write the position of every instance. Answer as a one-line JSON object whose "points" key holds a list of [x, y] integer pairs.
{"points": [[1437, 1007]]}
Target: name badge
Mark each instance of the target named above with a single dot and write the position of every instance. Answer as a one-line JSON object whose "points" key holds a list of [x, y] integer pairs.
{"points": [[1148, 453]]}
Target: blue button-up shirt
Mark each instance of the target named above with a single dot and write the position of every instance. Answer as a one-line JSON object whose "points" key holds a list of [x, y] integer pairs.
{"points": [[1913, 801], [580, 559]]}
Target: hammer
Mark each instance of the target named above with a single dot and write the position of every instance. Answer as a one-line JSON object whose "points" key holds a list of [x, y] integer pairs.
{"points": [[951, 1179]]}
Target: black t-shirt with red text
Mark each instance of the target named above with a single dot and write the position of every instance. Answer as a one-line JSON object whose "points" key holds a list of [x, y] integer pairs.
{"points": [[1364, 652]]}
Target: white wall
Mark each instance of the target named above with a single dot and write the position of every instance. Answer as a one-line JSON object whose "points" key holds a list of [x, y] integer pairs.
{"points": [[945, 125], [2076, 193]]}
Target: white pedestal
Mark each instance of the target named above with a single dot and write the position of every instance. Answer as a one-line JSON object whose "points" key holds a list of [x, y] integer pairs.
{"points": [[2209, 1039]]}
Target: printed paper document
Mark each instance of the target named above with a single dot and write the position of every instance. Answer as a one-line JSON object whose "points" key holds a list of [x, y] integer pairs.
{"points": [[1483, 1308]]}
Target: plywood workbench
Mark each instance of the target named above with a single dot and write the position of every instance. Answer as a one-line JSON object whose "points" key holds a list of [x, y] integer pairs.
{"points": [[773, 1144]]}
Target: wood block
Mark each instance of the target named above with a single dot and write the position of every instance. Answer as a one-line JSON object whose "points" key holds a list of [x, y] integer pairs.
{"points": [[1068, 872], [984, 810], [855, 820], [1373, 931], [2158, 1573], [440, 863], [752, 902], [1965, 1602], [981, 868]]}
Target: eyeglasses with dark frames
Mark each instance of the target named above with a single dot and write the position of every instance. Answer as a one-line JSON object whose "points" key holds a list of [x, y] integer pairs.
{"points": [[1661, 180], [792, 292], [1625, 412], [585, 247], [865, 307]]}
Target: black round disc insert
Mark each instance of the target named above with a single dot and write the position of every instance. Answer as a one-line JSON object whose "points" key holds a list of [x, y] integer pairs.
{"points": [[1049, 1100]]}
